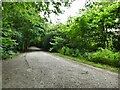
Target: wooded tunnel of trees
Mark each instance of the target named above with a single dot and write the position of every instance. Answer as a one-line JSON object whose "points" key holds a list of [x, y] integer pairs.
{"points": [[94, 34]]}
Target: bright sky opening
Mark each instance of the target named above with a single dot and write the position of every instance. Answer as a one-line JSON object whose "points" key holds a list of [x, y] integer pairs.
{"points": [[71, 11]]}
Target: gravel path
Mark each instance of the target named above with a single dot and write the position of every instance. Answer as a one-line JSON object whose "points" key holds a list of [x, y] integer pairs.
{"points": [[40, 69]]}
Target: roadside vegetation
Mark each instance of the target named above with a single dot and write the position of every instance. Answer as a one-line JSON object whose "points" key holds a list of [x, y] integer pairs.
{"points": [[84, 61], [92, 36]]}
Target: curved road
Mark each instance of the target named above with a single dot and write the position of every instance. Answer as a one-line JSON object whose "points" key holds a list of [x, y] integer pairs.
{"points": [[40, 69]]}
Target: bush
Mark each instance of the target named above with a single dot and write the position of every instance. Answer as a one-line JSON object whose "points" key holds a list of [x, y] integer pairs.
{"points": [[58, 42], [7, 48], [70, 51], [104, 56]]}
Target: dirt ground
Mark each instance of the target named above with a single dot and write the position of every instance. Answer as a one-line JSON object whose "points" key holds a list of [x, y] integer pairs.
{"points": [[39, 69]]}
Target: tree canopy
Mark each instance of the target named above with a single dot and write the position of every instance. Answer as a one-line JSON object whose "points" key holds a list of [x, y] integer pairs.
{"points": [[27, 23]]}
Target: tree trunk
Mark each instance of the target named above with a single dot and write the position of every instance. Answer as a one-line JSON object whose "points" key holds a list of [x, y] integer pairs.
{"points": [[25, 46]]}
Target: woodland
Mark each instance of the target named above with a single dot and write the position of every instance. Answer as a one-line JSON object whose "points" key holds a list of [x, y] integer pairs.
{"points": [[94, 34]]}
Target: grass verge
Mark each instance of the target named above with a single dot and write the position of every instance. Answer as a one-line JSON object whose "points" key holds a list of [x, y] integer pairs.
{"points": [[103, 66]]}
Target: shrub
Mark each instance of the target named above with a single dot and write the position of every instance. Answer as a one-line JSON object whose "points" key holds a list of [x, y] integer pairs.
{"points": [[104, 56], [76, 53], [7, 48], [57, 43], [67, 51], [62, 50], [70, 51]]}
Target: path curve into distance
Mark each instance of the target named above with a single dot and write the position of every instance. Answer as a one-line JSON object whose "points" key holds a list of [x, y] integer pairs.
{"points": [[39, 69]]}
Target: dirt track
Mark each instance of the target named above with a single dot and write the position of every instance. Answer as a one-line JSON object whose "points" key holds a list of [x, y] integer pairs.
{"points": [[40, 69]]}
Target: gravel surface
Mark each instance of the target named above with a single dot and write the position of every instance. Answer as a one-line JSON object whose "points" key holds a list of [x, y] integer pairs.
{"points": [[40, 69]]}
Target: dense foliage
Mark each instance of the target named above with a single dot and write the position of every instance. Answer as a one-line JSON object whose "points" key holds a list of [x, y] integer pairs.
{"points": [[97, 26], [94, 34], [23, 24]]}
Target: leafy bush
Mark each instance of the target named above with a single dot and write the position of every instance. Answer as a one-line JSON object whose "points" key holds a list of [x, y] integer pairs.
{"points": [[58, 42], [70, 51], [8, 46], [62, 50], [104, 56]]}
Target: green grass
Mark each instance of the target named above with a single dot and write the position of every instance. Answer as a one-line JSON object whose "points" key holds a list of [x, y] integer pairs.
{"points": [[103, 66]]}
